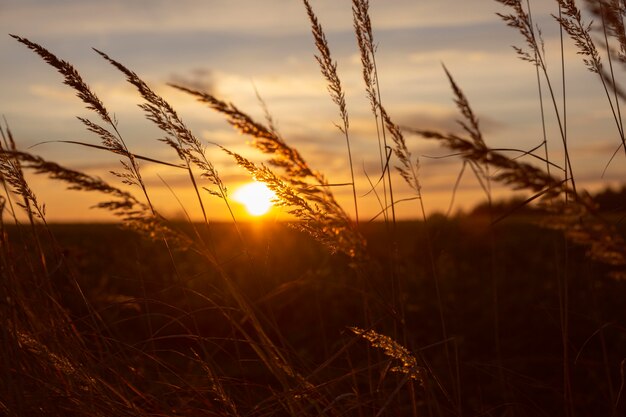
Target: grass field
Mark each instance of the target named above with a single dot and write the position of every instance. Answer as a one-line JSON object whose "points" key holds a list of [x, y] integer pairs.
{"points": [[515, 309], [156, 308]]}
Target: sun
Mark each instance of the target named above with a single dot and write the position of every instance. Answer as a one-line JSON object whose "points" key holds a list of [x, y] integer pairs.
{"points": [[256, 197]]}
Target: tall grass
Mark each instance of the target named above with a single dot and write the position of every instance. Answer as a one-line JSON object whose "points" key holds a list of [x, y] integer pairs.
{"points": [[353, 334]]}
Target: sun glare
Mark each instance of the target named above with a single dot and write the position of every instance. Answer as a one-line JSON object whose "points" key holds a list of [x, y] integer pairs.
{"points": [[256, 197]]}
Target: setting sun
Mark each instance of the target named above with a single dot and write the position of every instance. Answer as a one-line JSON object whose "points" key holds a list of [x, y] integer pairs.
{"points": [[256, 197]]}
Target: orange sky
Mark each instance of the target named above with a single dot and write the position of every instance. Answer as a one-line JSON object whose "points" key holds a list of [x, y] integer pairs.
{"points": [[232, 47]]}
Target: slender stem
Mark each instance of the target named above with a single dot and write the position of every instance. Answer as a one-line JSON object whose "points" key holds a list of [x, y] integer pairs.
{"points": [[543, 116], [393, 209], [567, 164], [617, 116], [135, 168], [383, 163], [561, 121], [356, 206], [564, 294], [442, 319], [610, 59]]}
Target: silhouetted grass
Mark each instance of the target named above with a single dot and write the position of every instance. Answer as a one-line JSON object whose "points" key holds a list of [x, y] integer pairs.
{"points": [[508, 311]]}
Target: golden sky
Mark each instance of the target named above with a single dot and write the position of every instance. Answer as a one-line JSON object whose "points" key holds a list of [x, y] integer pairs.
{"points": [[231, 48]]}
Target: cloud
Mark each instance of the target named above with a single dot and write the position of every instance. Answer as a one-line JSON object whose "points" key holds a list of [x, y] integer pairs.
{"points": [[145, 16], [200, 79], [272, 17]]}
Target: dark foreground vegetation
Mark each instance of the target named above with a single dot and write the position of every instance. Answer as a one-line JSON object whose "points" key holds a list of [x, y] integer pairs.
{"points": [[148, 324]]}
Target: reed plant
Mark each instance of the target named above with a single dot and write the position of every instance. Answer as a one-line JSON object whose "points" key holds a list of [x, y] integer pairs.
{"points": [[204, 343]]}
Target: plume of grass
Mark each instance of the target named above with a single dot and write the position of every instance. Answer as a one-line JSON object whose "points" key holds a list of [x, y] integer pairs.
{"points": [[611, 14], [179, 137], [62, 377], [470, 124], [305, 191], [408, 166], [602, 240], [583, 226], [571, 20], [13, 175], [326, 223], [13, 180], [325, 220], [136, 214], [264, 138], [328, 68], [190, 150], [132, 212], [112, 140], [216, 387], [71, 78], [139, 218], [517, 175], [408, 364], [314, 197], [51, 370], [365, 41], [521, 20]]}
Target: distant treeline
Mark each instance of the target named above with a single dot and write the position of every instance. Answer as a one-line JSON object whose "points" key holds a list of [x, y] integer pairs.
{"points": [[609, 200]]}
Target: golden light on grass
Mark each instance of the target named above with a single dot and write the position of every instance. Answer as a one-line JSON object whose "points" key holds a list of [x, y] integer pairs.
{"points": [[259, 291], [256, 197]]}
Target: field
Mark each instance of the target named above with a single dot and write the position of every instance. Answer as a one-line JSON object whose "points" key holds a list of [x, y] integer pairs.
{"points": [[156, 310], [513, 309]]}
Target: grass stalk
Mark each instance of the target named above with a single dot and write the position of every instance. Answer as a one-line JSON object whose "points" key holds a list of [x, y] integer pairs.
{"points": [[328, 68], [198, 331]]}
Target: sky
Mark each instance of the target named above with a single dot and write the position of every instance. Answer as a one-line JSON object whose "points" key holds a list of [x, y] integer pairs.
{"points": [[236, 48]]}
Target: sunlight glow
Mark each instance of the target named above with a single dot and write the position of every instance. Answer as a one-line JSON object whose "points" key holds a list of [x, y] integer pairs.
{"points": [[256, 197]]}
